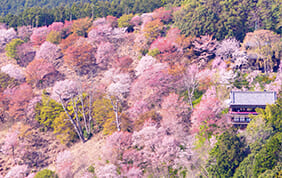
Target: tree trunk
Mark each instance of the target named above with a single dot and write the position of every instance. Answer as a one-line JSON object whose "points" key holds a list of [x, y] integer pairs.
{"points": [[79, 133]]}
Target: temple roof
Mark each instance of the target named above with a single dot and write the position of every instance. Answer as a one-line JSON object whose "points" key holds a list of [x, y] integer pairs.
{"points": [[252, 97]]}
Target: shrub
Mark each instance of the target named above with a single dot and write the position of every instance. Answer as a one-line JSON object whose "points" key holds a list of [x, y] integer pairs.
{"points": [[63, 129], [46, 173], [154, 29], [11, 48], [154, 52], [54, 37], [91, 169], [124, 21], [47, 111], [81, 26]]}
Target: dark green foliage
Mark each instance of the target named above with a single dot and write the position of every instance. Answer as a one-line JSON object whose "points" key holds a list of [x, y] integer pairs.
{"points": [[273, 173], [11, 6], [7, 81], [245, 167], [269, 155], [40, 13], [265, 157], [224, 18], [273, 115], [47, 111], [46, 173], [227, 154]]}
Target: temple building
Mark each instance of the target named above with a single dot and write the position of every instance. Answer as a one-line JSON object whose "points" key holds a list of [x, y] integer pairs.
{"points": [[244, 103]]}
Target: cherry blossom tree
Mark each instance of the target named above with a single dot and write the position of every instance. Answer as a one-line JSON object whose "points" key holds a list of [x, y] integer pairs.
{"points": [[138, 108], [39, 35], [152, 84], [112, 21], [241, 60], [105, 53], [226, 49], [206, 112], [13, 71], [144, 63], [146, 18], [77, 104], [162, 14], [109, 170], [133, 172], [3, 26], [67, 90], [24, 32], [10, 143], [141, 43], [17, 171], [18, 98], [163, 44], [116, 91], [157, 148], [206, 79], [87, 175], [204, 47], [69, 41], [64, 164], [25, 54], [167, 49], [123, 63], [105, 33], [6, 36], [173, 34], [190, 81], [50, 52], [80, 56], [56, 26], [66, 31], [39, 71], [99, 21], [116, 144], [174, 116], [30, 110], [136, 20]]}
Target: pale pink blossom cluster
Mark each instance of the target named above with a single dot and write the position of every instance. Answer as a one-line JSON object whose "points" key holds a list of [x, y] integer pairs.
{"points": [[105, 53], [226, 49], [64, 89], [48, 51], [145, 63], [107, 171], [39, 35], [6, 36], [11, 141], [13, 71], [120, 85], [56, 26], [18, 171], [64, 164]]}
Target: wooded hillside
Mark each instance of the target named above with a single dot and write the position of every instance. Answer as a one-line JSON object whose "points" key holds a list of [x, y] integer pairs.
{"points": [[140, 95]]}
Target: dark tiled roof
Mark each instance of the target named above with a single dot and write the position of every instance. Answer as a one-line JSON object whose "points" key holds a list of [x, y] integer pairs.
{"points": [[252, 97]]}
